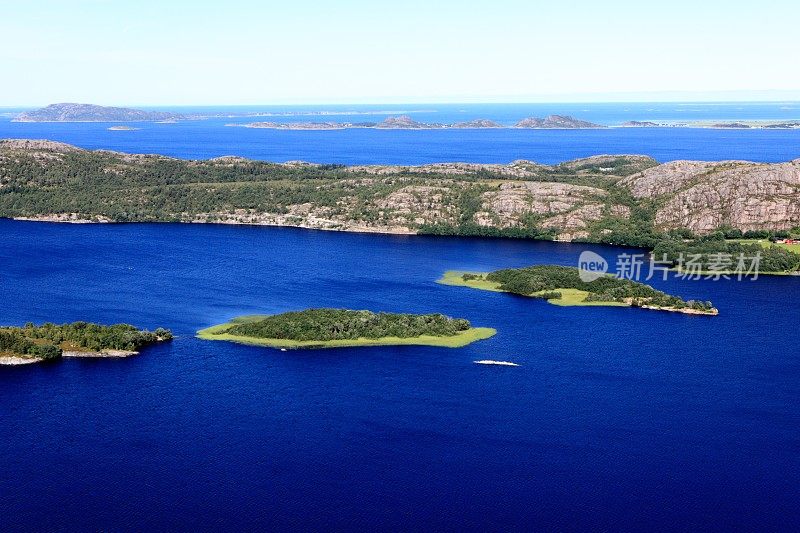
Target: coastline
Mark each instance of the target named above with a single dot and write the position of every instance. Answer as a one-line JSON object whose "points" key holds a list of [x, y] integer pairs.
{"points": [[17, 360], [455, 341], [102, 354], [570, 297]]}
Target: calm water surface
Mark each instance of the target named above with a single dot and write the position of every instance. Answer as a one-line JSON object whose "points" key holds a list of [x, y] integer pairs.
{"points": [[210, 138], [616, 418]]}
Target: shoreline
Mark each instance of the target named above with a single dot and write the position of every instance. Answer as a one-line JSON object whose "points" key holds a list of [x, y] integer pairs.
{"points": [[454, 341], [74, 218], [18, 360], [570, 297], [102, 354]]}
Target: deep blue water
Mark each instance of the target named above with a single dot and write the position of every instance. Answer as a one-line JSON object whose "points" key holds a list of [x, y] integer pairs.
{"points": [[210, 138], [616, 419]]}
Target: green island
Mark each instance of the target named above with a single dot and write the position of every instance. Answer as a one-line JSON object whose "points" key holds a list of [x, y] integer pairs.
{"points": [[338, 328], [562, 285], [34, 344]]}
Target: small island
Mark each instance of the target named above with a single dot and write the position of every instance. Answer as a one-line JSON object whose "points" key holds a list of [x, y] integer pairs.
{"points": [[48, 342], [123, 128], [562, 285], [339, 328]]}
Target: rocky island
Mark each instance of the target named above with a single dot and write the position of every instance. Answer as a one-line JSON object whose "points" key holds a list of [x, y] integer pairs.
{"points": [[71, 112], [338, 328], [562, 285], [554, 122], [48, 342]]}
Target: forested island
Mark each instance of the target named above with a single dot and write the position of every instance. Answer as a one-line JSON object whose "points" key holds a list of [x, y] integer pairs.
{"points": [[562, 285], [675, 207], [336, 328], [47, 342]]}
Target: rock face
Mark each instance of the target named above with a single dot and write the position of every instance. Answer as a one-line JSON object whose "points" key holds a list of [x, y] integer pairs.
{"points": [[476, 124], [70, 112], [35, 145], [401, 122], [704, 196], [555, 122]]}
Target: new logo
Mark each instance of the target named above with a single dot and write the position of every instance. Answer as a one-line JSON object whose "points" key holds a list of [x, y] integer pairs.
{"points": [[591, 266]]}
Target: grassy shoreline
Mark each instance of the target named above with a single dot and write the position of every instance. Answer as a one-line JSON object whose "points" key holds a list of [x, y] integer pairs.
{"points": [[565, 297], [569, 297], [217, 333]]}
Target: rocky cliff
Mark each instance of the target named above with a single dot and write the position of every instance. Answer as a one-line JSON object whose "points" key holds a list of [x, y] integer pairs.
{"points": [[703, 196]]}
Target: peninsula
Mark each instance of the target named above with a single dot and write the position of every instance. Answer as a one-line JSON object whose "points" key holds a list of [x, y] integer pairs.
{"points": [[338, 328], [613, 199], [562, 285], [48, 342]]}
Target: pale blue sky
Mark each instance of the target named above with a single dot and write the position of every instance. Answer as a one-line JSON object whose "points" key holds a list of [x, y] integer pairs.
{"points": [[349, 51]]}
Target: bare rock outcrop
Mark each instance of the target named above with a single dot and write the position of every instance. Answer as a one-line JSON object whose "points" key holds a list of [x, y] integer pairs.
{"points": [[703, 196]]}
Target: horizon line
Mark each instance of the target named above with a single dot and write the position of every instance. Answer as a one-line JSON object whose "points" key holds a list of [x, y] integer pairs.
{"points": [[422, 102]]}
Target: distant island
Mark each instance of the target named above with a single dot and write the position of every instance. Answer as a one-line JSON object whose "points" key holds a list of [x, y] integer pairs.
{"points": [[75, 112], [738, 125], [123, 128], [48, 342], [405, 122], [562, 285], [71, 112], [338, 328]]}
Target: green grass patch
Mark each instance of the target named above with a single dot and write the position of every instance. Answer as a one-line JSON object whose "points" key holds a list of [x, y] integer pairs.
{"points": [[569, 297], [765, 243], [463, 338]]}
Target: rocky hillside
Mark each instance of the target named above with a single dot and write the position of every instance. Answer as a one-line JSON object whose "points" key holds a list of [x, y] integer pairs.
{"points": [[704, 196], [69, 112], [555, 122], [602, 198]]}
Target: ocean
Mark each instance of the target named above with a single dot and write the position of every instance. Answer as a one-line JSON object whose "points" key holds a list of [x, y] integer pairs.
{"points": [[616, 418], [201, 139]]}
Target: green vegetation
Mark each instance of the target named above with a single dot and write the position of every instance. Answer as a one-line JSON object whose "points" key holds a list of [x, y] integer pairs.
{"points": [[716, 253], [66, 182], [48, 341], [562, 286], [328, 328], [139, 188]]}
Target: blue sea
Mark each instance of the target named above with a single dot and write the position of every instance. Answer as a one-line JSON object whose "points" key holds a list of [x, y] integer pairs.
{"points": [[202, 139], [616, 418]]}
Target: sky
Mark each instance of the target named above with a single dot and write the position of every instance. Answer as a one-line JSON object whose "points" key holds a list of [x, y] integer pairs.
{"points": [[239, 52]]}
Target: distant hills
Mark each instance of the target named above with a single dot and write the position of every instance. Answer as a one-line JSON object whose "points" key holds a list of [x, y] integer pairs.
{"points": [[405, 122], [70, 112]]}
